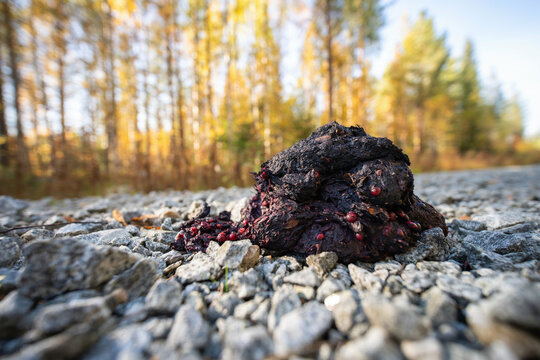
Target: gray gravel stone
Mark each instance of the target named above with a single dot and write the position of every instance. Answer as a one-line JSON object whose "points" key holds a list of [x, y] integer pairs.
{"points": [[459, 289], [365, 279], [114, 237], [291, 263], [323, 262], [166, 224], [502, 243], [57, 266], [201, 268], [306, 293], [443, 267], [37, 234], [130, 342], [510, 317], [305, 277], [429, 348], [470, 225], [222, 306], [67, 345], [440, 307], [156, 246], [190, 329], [345, 309], [479, 258], [260, 315], [329, 286], [245, 309], [246, 285], [503, 219], [172, 257], [161, 236], [375, 345], [251, 259], [253, 343], [284, 301], [56, 318], [432, 245], [401, 319], [164, 297], [135, 280], [13, 308], [158, 328], [195, 209], [232, 253], [341, 273], [9, 205], [72, 230], [212, 249], [11, 251], [312, 318], [8, 280], [393, 267]]}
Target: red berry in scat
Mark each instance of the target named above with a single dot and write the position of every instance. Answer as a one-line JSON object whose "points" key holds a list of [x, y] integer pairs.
{"points": [[242, 231], [245, 222], [265, 203], [413, 225], [179, 236], [375, 191], [210, 220], [193, 230], [320, 236], [316, 174], [352, 217], [222, 237], [379, 172], [219, 226], [264, 175], [401, 233], [233, 236], [359, 237]]}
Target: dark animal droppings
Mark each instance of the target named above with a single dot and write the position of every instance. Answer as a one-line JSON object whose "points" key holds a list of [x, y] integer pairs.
{"points": [[337, 190]]}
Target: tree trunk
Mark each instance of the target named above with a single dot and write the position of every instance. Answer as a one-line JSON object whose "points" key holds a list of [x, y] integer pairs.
{"points": [[60, 52], [265, 78], [22, 162], [173, 151], [111, 118], [213, 165], [4, 136], [181, 151], [42, 89], [330, 59], [147, 158], [198, 108], [231, 39]]}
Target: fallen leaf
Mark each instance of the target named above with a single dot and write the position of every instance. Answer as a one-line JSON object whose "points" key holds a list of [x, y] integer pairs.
{"points": [[117, 215], [144, 220], [465, 217]]}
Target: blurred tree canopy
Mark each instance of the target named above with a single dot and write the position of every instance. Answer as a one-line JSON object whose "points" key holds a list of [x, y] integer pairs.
{"points": [[191, 94]]}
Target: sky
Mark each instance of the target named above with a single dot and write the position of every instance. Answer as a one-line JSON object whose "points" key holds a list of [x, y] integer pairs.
{"points": [[506, 35]]}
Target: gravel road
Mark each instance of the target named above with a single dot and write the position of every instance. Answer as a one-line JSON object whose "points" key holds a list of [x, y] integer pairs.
{"points": [[98, 281]]}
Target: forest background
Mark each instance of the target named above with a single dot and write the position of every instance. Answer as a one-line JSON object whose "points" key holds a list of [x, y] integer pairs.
{"points": [[143, 95]]}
